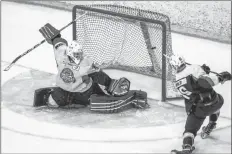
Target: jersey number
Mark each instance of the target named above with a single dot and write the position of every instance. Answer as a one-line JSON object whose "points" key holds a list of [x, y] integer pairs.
{"points": [[180, 84]]}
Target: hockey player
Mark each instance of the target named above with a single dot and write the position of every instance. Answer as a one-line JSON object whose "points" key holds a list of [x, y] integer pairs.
{"points": [[195, 83], [78, 81]]}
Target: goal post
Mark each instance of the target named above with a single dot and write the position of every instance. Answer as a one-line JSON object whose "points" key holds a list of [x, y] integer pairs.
{"points": [[132, 39]]}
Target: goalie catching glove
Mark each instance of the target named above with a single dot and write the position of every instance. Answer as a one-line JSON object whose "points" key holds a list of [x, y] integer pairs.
{"points": [[119, 87]]}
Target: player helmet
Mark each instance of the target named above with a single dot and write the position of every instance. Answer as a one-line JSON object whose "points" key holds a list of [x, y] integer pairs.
{"points": [[177, 62], [75, 52]]}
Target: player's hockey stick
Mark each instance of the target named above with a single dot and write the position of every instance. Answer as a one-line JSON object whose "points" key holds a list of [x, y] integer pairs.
{"points": [[29, 50], [209, 71], [212, 72], [191, 64]]}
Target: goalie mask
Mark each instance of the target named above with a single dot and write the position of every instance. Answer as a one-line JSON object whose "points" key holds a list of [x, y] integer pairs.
{"points": [[177, 62], [75, 52]]}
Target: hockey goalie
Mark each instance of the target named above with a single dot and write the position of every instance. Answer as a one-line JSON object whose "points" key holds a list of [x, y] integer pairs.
{"points": [[78, 81]]}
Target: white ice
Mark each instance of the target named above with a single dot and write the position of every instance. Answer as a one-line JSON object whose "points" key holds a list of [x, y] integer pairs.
{"points": [[20, 24]]}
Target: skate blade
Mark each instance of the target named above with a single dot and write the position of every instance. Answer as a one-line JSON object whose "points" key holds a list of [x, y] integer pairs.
{"points": [[173, 152], [204, 135]]}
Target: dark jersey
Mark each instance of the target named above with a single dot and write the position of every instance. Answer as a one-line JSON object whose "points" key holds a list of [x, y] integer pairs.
{"points": [[193, 82]]}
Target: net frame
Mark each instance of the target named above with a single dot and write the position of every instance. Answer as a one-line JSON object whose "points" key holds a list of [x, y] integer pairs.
{"points": [[142, 16]]}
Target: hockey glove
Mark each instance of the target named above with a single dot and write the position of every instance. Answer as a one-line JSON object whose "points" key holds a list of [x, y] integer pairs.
{"points": [[49, 32], [95, 66], [224, 76], [206, 68], [119, 87]]}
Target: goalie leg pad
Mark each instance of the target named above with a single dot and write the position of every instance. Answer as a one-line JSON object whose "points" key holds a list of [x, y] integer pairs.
{"points": [[111, 104], [41, 96], [119, 87]]}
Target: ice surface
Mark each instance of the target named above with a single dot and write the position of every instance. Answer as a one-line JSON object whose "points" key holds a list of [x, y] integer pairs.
{"points": [[60, 131], [18, 93]]}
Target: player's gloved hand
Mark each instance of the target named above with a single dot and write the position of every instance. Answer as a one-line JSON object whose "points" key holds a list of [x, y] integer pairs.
{"points": [[224, 76], [49, 32], [206, 68], [96, 66]]}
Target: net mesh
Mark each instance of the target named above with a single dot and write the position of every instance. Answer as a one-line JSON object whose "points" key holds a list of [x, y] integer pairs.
{"points": [[132, 44]]}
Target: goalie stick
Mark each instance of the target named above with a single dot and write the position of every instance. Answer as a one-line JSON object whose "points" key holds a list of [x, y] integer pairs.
{"points": [[29, 50]]}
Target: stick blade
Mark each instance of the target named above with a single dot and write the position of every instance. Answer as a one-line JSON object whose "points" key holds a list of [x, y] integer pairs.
{"points": [[8, 67]]}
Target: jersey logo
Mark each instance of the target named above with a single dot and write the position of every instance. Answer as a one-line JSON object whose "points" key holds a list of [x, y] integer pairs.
{"points": [[67, 75]]}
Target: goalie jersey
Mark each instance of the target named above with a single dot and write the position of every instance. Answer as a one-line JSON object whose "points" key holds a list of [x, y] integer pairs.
{"points": [[70, 75], [193, 82]]}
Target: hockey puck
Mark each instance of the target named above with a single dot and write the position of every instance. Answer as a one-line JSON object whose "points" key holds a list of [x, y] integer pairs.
{"points": [[153, 48]]}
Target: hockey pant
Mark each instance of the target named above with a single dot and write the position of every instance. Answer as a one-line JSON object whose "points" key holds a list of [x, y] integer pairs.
{"points": [[63, 98], [112, 104], [198, 114]]}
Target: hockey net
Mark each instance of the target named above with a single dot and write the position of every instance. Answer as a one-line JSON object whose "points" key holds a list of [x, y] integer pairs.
{"points": [[127, 39]]}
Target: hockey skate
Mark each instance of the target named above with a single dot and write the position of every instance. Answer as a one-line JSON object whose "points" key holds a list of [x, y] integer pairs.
{"points": [[206, 130], [187, 149]]}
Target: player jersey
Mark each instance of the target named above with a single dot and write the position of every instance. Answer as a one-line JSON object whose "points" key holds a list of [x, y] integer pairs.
{"points": [[70, 74], [193, 81]]}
